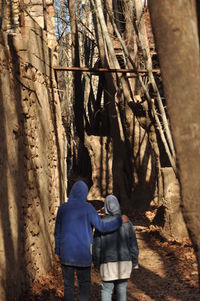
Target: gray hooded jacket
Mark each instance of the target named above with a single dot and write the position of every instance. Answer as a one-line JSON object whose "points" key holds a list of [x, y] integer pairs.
{"points": [[120, 245]]}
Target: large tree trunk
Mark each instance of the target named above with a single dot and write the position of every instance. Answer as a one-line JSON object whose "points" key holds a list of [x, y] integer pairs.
{"points": [[177, 41]]}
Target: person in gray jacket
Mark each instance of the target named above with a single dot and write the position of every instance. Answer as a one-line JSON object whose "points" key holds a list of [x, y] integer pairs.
{"points": [[115, 253]]}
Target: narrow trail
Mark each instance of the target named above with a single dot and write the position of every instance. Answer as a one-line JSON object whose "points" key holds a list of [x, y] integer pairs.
{"points": [[164, 273], [167, 272]]}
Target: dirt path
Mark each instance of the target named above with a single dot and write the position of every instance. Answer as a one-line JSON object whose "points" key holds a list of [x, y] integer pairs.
{"points": [[168, 272]]}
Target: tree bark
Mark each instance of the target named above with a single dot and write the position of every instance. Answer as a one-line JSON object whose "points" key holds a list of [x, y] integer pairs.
{"points": [[78, 91], [177, 41]]}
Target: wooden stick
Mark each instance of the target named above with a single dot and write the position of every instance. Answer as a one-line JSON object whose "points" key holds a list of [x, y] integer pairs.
{"points": [[98, 70]]}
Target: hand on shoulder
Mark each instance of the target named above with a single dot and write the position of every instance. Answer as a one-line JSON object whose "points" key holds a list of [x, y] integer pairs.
{"points": [[125, 219], [57, 258]]}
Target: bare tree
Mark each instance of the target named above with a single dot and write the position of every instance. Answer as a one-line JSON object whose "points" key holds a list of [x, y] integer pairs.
{"points": [[177, 40], [134, 116]]}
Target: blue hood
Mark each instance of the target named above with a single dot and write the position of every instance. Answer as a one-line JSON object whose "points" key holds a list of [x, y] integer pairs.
{"points": [[78, 192]]}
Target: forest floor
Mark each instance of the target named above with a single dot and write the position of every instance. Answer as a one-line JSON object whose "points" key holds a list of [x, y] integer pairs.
{"points": [[167, 272]]}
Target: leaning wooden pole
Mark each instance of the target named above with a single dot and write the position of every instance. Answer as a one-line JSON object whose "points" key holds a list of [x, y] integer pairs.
{"points": [[152, 105], [103, 70], [143, 40]]}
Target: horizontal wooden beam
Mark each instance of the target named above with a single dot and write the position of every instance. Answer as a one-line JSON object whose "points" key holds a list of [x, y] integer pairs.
{"points": [[99, 70]]}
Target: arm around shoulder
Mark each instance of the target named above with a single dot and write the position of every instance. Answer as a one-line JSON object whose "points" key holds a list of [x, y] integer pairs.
{"points": [[102, 225]]}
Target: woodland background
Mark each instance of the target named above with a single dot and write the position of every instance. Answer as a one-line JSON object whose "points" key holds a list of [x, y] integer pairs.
{"points": [[106, 91]]}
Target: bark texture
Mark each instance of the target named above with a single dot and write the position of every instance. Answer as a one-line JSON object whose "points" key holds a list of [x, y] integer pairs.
{"points": [[32, 168], [177, 41]]}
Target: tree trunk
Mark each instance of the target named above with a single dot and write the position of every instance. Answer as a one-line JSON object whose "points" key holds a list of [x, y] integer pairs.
{"points": [[78, 91], [177, 41]]}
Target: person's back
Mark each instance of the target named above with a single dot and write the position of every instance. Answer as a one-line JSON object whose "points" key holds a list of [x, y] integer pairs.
{"points": [[115, 253], [73, 237], [76, 233]]}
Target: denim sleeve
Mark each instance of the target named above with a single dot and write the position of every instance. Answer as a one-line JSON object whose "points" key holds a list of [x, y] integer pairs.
{"points": [[133, 245], [57, 232], [96, 249], [102, 225]]}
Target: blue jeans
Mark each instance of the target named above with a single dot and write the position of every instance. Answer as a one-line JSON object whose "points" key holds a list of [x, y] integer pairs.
{"points": [[83, 275], [120, 289]]}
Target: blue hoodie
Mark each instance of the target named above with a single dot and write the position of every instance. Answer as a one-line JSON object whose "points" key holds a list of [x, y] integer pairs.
{"points": [[73, 229]]}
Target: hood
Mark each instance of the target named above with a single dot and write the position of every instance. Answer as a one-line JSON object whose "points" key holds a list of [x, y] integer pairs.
{"points": [[111, 205], [79, 192]]}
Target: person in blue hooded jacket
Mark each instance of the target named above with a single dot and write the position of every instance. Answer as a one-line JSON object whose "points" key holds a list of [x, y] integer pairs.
{"points": [[73, 238], [115, 253]]}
